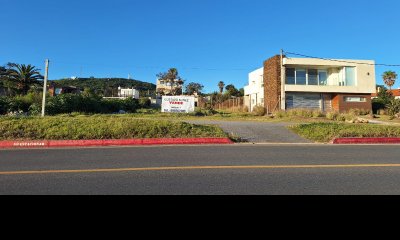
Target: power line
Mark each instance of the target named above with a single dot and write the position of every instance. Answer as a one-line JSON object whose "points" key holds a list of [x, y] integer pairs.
{"points": [[342, 61], [153, 67]]}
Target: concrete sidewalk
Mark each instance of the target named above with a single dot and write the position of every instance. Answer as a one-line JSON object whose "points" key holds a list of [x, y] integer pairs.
{"points": [[257, 132]]}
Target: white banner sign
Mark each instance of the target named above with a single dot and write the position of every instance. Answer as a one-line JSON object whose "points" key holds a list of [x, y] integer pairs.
{"points": [[178, 104]]}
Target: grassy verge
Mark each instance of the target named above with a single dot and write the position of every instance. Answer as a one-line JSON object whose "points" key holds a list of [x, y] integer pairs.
{"points": [[100, 127], [386, 118], [221, 116], [326, 132]]}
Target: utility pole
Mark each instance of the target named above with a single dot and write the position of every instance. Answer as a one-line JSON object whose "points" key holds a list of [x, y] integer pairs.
{"points": [[46, 77], [283, 82]]}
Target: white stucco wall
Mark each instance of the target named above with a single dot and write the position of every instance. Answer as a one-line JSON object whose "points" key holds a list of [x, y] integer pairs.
{"points": [[254, 92]]}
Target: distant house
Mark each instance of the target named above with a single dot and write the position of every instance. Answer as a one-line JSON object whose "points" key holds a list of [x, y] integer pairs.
{"points": [[326, 85], [394, 92], [167, 88], [128, 93], [125, 93], [63, 90]]}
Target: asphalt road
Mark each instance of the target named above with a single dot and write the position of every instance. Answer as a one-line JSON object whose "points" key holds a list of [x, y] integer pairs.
{"points": [[236, 169]]}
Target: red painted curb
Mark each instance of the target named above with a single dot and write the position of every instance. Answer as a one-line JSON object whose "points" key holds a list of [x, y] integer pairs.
{"points": [[122, 142], [366, 141]]}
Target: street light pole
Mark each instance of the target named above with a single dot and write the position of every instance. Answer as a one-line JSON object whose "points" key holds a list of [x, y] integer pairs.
{"points": [[46, 77]]}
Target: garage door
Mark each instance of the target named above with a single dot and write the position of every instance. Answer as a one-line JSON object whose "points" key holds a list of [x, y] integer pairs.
{"points": [[302, 100]]}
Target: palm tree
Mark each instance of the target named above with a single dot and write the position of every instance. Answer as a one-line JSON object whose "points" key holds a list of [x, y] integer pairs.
{"points": [[221, 86], [24, 76], [389, 78], [5, 78]]}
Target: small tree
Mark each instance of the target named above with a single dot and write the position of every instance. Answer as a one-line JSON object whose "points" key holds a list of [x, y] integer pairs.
{"points": [[393, 107], [389, 77], [192, 88], [221, 86], [233, 91], [384, 95]]}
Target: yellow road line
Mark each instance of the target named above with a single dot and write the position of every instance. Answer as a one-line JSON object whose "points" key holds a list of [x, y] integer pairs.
{"points": [[201, 168]]}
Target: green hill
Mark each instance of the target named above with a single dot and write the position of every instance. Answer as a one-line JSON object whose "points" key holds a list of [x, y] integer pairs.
{"points": [[103, 86]]}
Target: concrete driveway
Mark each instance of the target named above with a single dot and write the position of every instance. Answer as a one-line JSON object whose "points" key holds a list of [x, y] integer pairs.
{"points": [[257, 132]]}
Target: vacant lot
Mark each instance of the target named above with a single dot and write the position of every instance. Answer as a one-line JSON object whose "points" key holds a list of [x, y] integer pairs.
{"points": [[100, 127]]}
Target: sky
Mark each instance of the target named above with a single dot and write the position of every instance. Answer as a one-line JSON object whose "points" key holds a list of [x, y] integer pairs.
{"points": [[207, 40]]}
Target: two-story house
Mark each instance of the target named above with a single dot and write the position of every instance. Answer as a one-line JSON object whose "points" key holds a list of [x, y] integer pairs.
{"points": [[327, 85], [167, 88]]}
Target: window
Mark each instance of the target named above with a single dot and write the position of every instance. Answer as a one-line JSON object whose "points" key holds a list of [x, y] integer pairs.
{"points": [[323, 77], [301, 77], [312, 77], [350, 76], [290, 76], [162, 82], [355, 99]]}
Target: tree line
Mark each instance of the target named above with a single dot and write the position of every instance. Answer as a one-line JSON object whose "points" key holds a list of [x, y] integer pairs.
{"points": [[172, 78]]}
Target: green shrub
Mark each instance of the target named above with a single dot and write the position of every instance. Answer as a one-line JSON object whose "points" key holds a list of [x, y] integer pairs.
{"points": [[365, 112], [318, 114], [68, 103], [4, 105], [393, 107], [332, 116], [145, 103], [359, 112], [382, 112], [350, 117], [19, 104], [377, 105], [280, 114], [259, 111], [200, 112], [300, 112], [35, 109], [342, 117], [355, 112]]}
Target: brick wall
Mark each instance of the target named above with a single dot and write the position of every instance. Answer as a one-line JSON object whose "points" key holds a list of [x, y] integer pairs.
{"points": [[272, 82], [339, 103]]}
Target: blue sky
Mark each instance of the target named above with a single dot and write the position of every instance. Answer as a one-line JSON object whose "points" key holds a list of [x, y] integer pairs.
{"points": [[207, 40]]}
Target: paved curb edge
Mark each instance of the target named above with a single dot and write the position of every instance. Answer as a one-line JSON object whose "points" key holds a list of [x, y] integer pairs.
{"points": [[123, 142], [366, 141]]}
